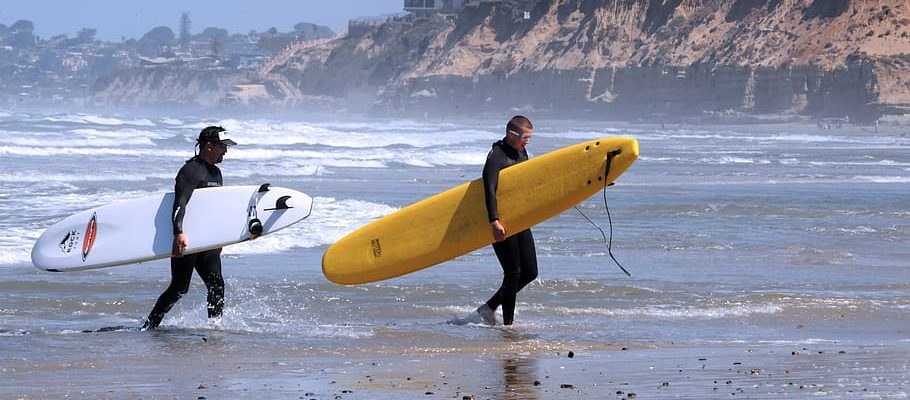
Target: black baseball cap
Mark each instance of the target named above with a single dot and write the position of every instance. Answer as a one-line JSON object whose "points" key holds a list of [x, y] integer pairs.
{"points": [[214, 134]]}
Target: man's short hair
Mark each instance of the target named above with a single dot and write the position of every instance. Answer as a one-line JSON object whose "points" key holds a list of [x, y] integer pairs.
{"points": [[519, 124]]}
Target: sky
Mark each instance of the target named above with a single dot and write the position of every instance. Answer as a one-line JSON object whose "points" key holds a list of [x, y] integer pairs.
{"points": [[130, 19]]}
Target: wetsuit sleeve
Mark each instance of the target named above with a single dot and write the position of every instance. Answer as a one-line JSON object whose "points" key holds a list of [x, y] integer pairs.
{"points": [[495, 162], [187, 180]]}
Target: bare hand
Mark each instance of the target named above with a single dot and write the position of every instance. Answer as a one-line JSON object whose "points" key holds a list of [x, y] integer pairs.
{"points": [[499, 231], [180, 244]]}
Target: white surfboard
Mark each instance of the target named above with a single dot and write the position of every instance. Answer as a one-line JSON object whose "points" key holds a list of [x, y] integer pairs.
{"points": [[140, 229]]}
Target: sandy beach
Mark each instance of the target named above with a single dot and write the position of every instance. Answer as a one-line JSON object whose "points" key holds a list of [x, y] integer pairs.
{"points": [[215, 365]]}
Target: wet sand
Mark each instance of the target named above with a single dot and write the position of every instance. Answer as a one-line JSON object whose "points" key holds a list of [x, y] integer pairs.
{"points": [[217, 365]]}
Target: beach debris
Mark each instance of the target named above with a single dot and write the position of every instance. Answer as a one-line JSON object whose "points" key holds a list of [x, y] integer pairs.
{"points": [[567, 386], [429, 393], [536, 383], [571, 354], [203, 385], [468, 397]]}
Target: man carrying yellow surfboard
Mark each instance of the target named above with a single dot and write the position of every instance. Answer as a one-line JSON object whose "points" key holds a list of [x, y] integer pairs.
{"points": [[457, 221], [515, 251]]}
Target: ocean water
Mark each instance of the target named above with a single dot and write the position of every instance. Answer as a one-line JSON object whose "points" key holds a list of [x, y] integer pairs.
{"points": [[764, 234]]}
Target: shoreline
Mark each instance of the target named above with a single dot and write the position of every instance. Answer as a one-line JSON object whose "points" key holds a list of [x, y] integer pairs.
{"points": [[569, 115], [215, 364]]}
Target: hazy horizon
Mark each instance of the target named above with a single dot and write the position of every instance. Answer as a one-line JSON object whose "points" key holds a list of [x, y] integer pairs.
{"points": [[118, 20]]}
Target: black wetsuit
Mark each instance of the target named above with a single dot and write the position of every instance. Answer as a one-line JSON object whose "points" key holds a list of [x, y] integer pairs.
{"points": [[195, 174], [516, 254]]}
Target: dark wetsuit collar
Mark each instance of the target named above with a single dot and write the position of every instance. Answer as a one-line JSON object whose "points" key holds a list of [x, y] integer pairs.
{"points": [[511, 152]]}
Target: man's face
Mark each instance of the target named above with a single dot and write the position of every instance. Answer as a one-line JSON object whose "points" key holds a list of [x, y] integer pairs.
{"points": [[217, 150], [520, 138]]}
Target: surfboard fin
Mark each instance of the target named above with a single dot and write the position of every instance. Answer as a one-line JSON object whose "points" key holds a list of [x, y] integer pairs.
{"points": [[280, 204], [264, 187]]}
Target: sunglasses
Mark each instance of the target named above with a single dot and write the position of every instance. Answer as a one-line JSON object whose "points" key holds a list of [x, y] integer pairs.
{"points": [[521, 135]]}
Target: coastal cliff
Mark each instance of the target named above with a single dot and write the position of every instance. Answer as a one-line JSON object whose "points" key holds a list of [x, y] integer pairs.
{"points": [[614, 59], [165, 86]]}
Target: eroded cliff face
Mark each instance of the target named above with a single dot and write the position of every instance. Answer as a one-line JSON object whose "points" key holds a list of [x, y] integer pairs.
{"points": [[144, 87], [572, 34], [626, 58]]}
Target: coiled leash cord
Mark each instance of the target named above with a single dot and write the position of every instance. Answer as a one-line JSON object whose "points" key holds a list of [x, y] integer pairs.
{"points": [[609, 241]]}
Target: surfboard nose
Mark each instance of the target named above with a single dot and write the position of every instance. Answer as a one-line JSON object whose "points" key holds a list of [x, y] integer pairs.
{"points": [[627, 146]]}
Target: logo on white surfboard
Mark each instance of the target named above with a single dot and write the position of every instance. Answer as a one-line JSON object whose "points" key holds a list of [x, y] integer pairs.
{"points": [[69, 242], [91, 232]]}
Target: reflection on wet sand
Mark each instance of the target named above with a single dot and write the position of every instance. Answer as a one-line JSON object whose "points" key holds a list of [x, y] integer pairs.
{"points": [[519, 376], [519, 372]]}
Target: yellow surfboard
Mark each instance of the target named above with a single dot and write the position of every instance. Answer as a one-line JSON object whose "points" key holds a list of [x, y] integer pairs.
{"points": [[454, 222]]}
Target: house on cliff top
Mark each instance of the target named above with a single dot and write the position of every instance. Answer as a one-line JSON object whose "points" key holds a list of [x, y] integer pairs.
{"points": [[427, 8]]}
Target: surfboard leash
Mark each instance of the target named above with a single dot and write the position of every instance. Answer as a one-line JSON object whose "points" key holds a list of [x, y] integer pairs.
{"points": [[609, 241]]}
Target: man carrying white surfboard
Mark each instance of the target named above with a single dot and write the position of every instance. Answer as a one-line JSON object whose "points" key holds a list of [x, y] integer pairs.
{"points": [[515, 250], [199, 172]]}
